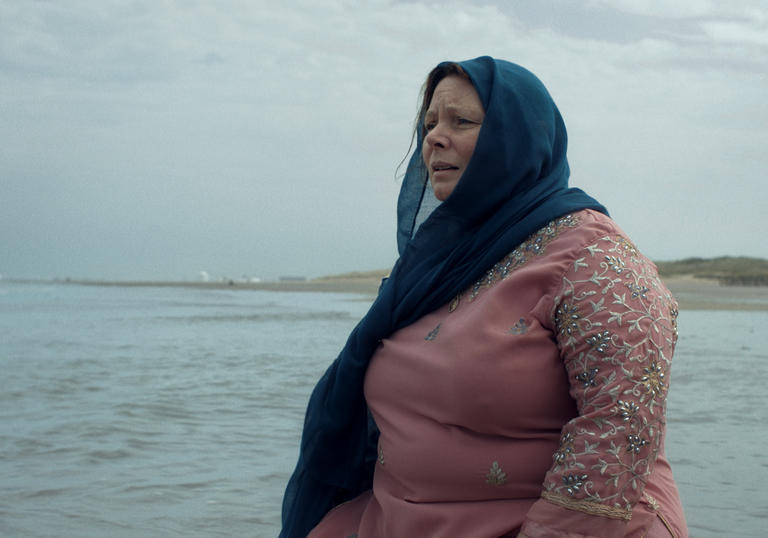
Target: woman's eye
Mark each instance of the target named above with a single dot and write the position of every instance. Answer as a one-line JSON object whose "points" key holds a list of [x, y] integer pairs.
{"points": [[429, 126]]}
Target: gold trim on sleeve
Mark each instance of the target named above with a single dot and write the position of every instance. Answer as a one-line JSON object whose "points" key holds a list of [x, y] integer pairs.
{"points": [[588, 507]]}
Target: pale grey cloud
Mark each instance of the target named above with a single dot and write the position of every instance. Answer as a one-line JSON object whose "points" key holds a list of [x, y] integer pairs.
{"points": [[754, 32], [157, 139], [681, 9]]}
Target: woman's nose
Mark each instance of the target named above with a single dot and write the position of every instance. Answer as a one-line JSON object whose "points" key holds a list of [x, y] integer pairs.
{"points": [[436, 136]]}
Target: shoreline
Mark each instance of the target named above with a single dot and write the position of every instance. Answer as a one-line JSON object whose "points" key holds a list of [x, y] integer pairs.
{"points": [[692, 293], [363, 286]]}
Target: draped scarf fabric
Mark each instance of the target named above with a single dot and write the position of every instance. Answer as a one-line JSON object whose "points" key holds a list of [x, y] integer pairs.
{"points": [[515, 183]]}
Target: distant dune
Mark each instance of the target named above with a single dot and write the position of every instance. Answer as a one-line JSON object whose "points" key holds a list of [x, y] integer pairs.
{"points": [[358, 275], [727, 270]]}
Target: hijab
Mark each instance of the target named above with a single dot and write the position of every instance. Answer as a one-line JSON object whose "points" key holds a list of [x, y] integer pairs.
{"points": [[515, 183]]}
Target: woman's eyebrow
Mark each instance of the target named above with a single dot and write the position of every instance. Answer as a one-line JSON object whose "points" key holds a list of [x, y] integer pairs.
{"points": [[450, 107]]}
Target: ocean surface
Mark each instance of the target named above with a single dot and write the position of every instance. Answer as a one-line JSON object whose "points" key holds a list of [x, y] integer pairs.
{"points": [[140, 411]]}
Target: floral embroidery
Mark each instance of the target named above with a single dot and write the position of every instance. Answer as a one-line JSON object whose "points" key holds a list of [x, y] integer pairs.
{"points": [[433, 333], [635, 443], [565, 450], [673, 313], [567, 319], [535, 245], [496, 477], [638, 291], [616, 326], [600, 341], [653, 380], [574, 482], [622, 243], [627, 410], [615, 264], [653, 503], [519, 328], [587, 379]]}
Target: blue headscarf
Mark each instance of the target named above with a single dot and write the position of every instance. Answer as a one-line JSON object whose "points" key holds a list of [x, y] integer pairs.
{"points": [[515, 183]]}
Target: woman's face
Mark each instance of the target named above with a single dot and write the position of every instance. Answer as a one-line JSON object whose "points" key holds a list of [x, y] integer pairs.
{"points": [[452, 122]]}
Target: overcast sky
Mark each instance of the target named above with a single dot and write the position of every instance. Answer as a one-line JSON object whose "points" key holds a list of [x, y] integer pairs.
{"points": [[146, 139]]}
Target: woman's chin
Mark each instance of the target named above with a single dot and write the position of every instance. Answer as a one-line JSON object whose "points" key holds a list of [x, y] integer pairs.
{"points": [[442, 190]]}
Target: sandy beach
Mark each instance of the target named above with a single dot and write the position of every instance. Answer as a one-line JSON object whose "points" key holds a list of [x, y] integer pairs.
{"points": [[692, 293], [708, 294]]}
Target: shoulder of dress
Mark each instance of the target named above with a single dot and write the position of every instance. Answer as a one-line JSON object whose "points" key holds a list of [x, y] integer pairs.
{"points": [[598, 236], [593, 223], [555, 238], [573, 233], [533, 247], [557, 245]]}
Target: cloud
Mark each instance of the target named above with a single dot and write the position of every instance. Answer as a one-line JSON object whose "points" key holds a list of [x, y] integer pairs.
{"points": [[257, 137], [681, 9], [750, 33]]}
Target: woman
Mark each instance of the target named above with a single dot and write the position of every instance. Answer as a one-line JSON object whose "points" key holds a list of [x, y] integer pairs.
{"points": [[516, 362]]}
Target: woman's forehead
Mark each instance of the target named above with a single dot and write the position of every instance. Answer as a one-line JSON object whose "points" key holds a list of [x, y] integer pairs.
{"points": [[454, 92]]}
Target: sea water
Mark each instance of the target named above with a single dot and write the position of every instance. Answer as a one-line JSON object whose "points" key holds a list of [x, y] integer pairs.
{"points": [[150, 411]]}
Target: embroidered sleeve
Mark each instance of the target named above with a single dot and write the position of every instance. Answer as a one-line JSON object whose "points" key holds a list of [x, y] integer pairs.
{"points": [[615, 325]]}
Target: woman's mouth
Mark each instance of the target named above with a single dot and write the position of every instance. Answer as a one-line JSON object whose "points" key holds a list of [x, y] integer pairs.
{"points": [[442, 167]]}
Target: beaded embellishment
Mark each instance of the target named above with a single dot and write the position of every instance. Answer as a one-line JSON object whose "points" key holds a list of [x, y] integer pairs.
{"points": [[535, 245], [433, 333], [615, 323]]}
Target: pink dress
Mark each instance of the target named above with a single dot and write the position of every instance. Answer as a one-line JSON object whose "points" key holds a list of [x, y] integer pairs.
{"points": [[532, 403]]}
